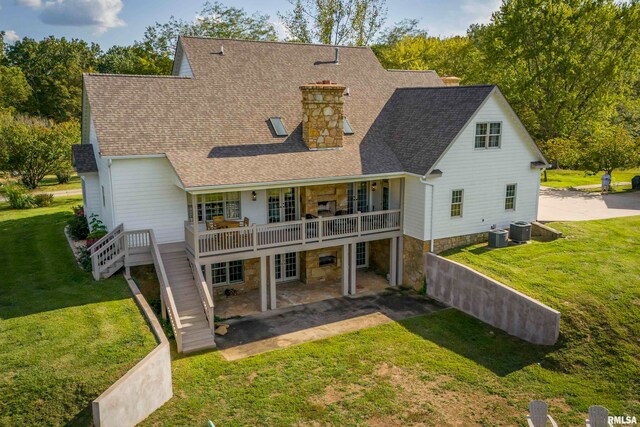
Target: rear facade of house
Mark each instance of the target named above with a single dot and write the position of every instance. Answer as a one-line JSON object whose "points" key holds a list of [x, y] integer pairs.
{"points": [[258, 165]]}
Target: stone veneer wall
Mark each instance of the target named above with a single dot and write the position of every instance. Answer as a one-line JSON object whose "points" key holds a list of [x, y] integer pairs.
{"points": [[251, 279], [379, 253], [322, 193], [312, 273], [322, 114]]}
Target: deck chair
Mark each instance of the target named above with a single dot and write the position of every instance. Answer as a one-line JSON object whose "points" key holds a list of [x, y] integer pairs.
{"points": [[538, 414], [598, 417], [245, 222], [210, 225]]}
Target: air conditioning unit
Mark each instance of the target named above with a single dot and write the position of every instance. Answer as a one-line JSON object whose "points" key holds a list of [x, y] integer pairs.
{"points": [[498, 238], [520, 231]]}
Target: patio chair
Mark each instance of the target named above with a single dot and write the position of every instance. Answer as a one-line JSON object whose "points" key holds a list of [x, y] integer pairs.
{"points": [[598, 417], [538, 414], [245, 222], [210, 225]]}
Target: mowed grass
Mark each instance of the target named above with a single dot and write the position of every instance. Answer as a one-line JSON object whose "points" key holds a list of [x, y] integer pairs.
{"points": [[50, 184], [448, 368], [64, 338], [565, 178]]}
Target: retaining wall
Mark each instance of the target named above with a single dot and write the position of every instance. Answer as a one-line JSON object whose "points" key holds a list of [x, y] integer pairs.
{"points": [[544, 232], [490, 301], [145, 387]]}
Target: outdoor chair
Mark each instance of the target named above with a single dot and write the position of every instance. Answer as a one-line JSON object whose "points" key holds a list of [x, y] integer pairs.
{"points": [[598, 417], [538, 414], [210, 225], [245, 222]]}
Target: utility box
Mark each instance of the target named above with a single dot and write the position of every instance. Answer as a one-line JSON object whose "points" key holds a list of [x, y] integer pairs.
{"points": [[520, 231], [498, 238]]}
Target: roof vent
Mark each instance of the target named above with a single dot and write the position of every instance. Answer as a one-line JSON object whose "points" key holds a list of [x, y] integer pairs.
{"points": [[337, 61]]}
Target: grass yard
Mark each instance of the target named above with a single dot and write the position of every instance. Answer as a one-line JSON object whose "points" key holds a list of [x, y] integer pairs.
{"points": [[50, 184], [64, 338], [564, 178], [447, 368]]}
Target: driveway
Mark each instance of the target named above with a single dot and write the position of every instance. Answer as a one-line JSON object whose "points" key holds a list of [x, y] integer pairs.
{"points": [[569, 205]]}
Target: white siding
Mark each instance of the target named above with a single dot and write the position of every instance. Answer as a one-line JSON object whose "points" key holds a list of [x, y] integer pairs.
{"points": [[256, 210], [484, 174], [416, 205], [185, 68], [146, 196], [91, 193], [104, 181], [394, 193]]}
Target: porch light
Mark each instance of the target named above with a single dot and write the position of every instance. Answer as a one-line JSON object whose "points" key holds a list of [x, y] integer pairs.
{"points": [[374, 186], [254, 196]]}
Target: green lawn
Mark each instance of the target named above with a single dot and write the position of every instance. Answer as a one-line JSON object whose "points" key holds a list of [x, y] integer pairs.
{"points": [[448, 368], [561, 178], [64, 338], [50, 183]]}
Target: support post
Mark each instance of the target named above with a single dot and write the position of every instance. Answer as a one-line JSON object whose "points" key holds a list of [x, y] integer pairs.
{"points": [[345, 270], [393, 261], [263, 283], [399, 279], [352, 269], [196, 229], [272, 282]]}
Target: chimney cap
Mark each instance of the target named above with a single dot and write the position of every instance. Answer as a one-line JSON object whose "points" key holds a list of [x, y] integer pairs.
{"points": [[323, 84]]}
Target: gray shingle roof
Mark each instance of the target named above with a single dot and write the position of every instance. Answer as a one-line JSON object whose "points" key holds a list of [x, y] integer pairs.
{"points": [[83, 159], [213, 127]]}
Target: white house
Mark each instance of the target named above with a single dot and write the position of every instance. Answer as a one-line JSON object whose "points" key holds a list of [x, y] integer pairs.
{"points": [[258, 163]]}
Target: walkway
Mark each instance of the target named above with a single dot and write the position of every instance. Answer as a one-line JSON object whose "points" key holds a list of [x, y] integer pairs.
{"points": [[568, 205]]}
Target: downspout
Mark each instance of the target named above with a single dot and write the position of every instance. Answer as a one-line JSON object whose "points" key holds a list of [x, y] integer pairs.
{"points": [[433, 190]]}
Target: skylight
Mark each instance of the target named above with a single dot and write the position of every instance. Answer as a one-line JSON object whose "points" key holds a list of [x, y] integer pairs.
{"points": [[346, 127], [278, 126]]}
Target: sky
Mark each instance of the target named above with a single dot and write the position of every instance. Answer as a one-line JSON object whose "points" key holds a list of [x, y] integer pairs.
{"points": [[121, 22]]}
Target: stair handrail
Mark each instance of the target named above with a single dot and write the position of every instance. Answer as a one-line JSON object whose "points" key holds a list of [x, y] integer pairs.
{"points": [[203, 290], [107, 251], [165, 289], [107, 238]]}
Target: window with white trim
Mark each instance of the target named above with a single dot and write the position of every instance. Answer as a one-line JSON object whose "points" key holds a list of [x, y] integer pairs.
{"points": [[225, 273], [488, 135], [510, 197], [456, 203], [226, 205]]}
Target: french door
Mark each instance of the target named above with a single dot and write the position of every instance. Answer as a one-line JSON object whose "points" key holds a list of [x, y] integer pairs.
{"points": [[358, 197], [286, 267], [282, 204], [362, 254]]}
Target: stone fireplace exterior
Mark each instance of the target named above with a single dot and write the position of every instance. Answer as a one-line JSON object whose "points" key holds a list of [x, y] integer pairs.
{"points": [[312, 195]]}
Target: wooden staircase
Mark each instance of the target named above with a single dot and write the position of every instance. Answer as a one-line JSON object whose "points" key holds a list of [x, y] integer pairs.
{"points": [[195, 330]]}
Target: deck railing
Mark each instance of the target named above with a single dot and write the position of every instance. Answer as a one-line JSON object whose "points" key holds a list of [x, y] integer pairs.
{"points": [[263, 236], [107, 251]]}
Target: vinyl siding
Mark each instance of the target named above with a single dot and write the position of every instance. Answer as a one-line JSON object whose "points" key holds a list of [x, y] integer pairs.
{"points": [[416, 205], [146, 196], [185, 68], [91, 192], [483, 174]]}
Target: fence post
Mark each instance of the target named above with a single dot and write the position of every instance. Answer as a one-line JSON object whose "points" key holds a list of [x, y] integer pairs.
{"points": [[255, 237]]}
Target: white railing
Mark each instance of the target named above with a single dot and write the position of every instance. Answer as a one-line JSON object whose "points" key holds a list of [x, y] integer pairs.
{"points": [[107, 238], [138, 240], [107, 251], [165, 291], [203, 290], [303, 231]]}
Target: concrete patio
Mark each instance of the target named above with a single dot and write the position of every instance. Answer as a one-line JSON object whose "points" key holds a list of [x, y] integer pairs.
{"points": [[570, 205], [295, 293]]}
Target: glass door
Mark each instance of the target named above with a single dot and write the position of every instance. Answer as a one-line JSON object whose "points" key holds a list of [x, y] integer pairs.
{"points": [[282, 204], [286, 267], [358, 197], [362, 250]]}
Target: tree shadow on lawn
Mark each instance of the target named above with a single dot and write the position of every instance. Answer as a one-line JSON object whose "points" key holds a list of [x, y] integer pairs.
{"points": [[39, 273], [472, 339]]}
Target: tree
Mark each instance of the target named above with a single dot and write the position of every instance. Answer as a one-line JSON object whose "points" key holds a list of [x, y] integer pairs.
{"points": [[36, 147], [14, 89], [135, 59], [610, 149], [349, 22], [214, 20], [562, 65], [53, 68]]}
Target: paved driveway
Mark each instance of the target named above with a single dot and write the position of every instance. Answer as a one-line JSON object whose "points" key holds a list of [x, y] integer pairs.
{"points": [[569, 205]]}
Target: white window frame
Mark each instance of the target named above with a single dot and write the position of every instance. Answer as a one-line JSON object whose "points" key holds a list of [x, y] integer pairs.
{"points": [[227, 269], [507, 197], [461, 203], [201, 199], [487, 136]]}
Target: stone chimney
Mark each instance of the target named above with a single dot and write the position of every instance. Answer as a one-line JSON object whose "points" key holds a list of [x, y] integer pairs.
{"points": [[451, 81], [322, 114]]}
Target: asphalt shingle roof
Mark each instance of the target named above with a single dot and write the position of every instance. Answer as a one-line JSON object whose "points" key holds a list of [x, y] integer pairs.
{"points": [[213, 127], [83, 159]]}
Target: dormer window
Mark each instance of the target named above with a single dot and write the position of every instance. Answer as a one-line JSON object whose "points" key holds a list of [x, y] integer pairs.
{"points": [[346, 127], [278, 126], [488, 135]]}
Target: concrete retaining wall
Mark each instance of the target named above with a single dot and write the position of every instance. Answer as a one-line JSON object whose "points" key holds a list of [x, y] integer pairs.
{"points": [[544, 232], [490, 301], [146, 386]]}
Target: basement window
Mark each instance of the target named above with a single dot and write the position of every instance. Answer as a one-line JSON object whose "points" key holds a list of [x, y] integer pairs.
{"points": [[346, 127], [278, 126]]}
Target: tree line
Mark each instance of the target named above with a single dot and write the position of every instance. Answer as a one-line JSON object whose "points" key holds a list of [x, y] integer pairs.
{"points": [[570, 69]]}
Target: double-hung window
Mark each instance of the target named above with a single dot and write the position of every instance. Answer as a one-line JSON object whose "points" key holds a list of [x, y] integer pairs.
{"points": [[456, 203], [226, 205], [488, 135], [224, 273], [510, 197]]}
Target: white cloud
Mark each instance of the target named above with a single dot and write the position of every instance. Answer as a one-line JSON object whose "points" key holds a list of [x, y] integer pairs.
{"points": [[102, 14], [10, 36]]}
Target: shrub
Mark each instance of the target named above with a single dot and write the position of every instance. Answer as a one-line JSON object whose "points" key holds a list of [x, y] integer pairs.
{"points": [[42, 200], [63, 176], [18, 196], [78, 225], [98, 229], [84, 259]]}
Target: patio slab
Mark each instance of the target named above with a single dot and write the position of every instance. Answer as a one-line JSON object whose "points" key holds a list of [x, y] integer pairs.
{"points": [[298, 324]]}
